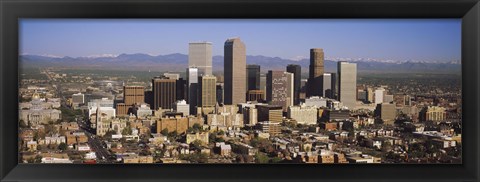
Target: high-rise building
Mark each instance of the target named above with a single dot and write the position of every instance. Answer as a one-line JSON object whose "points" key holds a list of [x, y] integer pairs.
{"points": [[370, 94], [181, 106], [280, 88], [263, 83], [347, 87], [315, 72], [253, 77], [208, 94], [192, 89], [256, 95], [386, 112], [272, 113], [379, 93], [133, 95], [329, 80], [303, 114], [219, 91], [181, 89], [200, 56], [164, 92], [297, 75], [175, 76], [235, 71]]}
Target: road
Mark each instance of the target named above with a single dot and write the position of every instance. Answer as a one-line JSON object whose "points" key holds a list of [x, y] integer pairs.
{"points": [[103, 155]]}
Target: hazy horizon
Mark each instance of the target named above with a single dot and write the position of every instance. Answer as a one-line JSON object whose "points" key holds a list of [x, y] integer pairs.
{"points": [[434, 40]]}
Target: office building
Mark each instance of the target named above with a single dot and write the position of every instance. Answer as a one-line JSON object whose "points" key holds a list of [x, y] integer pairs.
{"points": [[433, 113], [303, 114], [316, 70], [296, 70], [174, 76], [164, 92], [78, 99], [272, 128], [133, 95], [208, 94], [272, 113], [192, 89], [386, 111], [256, 95], [235, 59], [329, 80], [370, 94], [181, 106], [379, 93], [253, 77], [219, 91], [347, 87], [280, 88], [200, 56]]}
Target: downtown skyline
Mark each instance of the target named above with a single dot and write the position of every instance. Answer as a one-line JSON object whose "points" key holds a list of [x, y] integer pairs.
{"points": [[376, 40]]}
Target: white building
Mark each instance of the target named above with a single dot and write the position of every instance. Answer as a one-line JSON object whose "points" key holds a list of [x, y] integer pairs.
{"points": [[303, 114], [379, 93], [181, 106], [316, 101]]}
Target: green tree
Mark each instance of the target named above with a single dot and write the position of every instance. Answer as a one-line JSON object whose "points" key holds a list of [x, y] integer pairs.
{"points": [[164, 132], [197, 144], [276, 160], [22, 124], [127, 131], [173, 134], [261, 158], [38, 159], [62, 146]]}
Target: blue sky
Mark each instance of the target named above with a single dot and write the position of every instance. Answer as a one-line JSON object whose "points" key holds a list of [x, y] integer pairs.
{"points": [[434, 40]]}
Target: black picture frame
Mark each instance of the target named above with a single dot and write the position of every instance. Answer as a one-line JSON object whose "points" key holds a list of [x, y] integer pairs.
{"points": [[12, 10]]}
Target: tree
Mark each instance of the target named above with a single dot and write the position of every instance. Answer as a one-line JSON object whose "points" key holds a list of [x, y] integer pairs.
{"points": [[38, 159], [261, 158], [127, 131], [164, 132], [276, 160], [197, 144], [173, 134], [62, 146], [22, 124]]}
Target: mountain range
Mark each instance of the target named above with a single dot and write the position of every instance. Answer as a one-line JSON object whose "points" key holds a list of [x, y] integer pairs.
{"points": [[178, 63]]}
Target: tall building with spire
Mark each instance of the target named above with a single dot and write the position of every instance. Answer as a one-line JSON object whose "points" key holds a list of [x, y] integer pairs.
{"points": [[235, 61], [316, 70], [200, 56]]}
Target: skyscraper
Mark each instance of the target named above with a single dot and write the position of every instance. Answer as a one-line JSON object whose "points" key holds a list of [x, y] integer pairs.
{"points": [[315, 82], [379, 95], [280, 88], [192, 88], [329, 85], [297, 71], [208, 93], [347, 83], [253, 77], [200, 56], [133, 95], [164, 92], [235, 71]]}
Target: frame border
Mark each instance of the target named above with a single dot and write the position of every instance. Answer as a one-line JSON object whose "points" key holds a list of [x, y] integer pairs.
{"points": [[12, 10]]}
